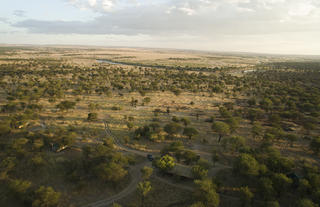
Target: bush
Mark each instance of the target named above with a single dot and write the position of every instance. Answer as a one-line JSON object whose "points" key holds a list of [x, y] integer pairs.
{"points": [[199, 172], [172, 128], [246, 165], [116, 108], [66, 105], [92, 117]]}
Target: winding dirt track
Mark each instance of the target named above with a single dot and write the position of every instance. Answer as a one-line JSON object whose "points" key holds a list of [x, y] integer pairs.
{"points": [[136, 178], [135, 172]]}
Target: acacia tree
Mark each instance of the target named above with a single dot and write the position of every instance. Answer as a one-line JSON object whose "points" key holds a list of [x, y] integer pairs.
{"points": [[266, 104], [305, 202], [172, 128], [246, 196], [146, 100], [291, 138], [246, 165], [315, 145], [4, 128], [233, 123], [144, 188], [266, 188], [215, 157], [281, 183], [257, 130], [129, 125], [146, 172], [198, 204], [112, 172], [190, 132], [165, 163], [206, 193], [66, 105], [92, 117], [46, 196], [221, 128], [185, 121], [235, 142], [19, 188], [199, 172]]}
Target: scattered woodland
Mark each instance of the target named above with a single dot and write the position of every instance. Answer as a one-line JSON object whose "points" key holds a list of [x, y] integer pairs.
{"points": [[74, 131]]}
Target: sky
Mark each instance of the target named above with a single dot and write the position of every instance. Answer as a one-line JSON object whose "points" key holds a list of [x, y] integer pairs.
{"points": [[262, 26]]}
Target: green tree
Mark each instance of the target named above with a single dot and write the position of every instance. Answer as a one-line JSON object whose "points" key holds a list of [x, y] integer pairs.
{"points": [[142, 92], [190, 157], [4, 128], [246, 196], [175, 119], [291, 138], [233, 123], [66, 105], [19, 188], [255, 114], [206, 193], [224, 112], [129, 125], [266, 104], [266, 188], [6, 165], [204, 163], [92, 117], [252, 102], [185, 121], [93, 106], [165, 163], [111, 172], [272, 204], [146, 100], [215, 157], [146, 172], [221, 128], [257, 131], [236, 142], [246, 165], [65, 138], [281, 183], [304, 186], [190, 132], [198, 204], [144, 188], [177, 92], [199, 172], [305, 202], [172, 128], [46, 197], [315, 145], [19, 145]]}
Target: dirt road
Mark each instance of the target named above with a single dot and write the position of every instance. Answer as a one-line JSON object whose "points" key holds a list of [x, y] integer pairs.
{"points": [[135, 172]]}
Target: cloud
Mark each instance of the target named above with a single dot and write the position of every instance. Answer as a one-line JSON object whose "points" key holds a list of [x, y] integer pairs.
{"points": [[107, 5], [101, 6], [92, 3], [19, 13], [4, 20], [207, 18]]}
